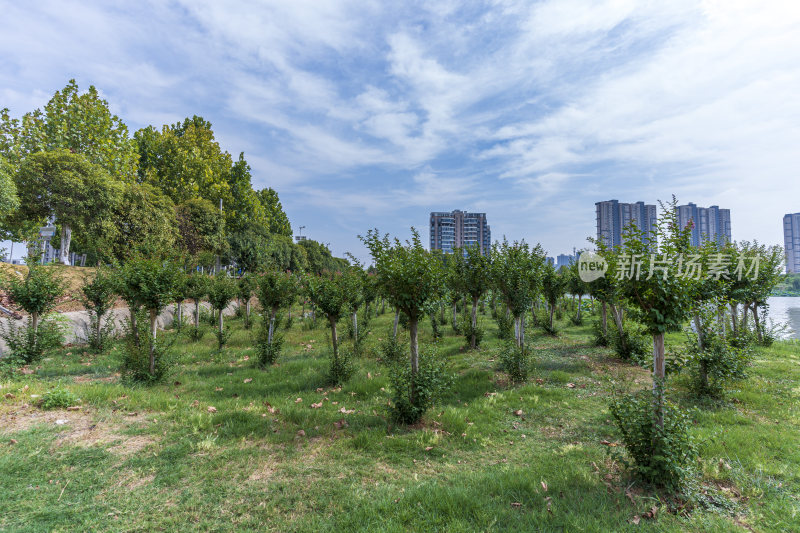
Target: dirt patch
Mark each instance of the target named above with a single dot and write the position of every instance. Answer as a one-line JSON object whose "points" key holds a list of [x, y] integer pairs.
{"points": [[78, 428], [263, 473]]}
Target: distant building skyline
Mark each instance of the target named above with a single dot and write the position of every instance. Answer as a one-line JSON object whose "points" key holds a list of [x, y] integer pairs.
{"points": [[613, 217], [710, 223], [459, 229], [791, 242]]}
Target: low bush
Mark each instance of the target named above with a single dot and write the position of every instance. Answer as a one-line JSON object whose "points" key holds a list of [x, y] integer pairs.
{"points": [[392, 349], [716, 365], [412, 395], [135, 364], [26, 346], [633, 344], [505, 325], [600, 337], [661, 454], [58, 398], [341, 366], [515, 361]]}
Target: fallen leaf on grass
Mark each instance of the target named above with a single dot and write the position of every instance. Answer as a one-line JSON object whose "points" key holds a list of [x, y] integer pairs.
{"points": [[301, 433], [516, 504], [428, 448], [316, 405], [9, 396], [346, 411], [606, 443], [73, 408], [544, 486], [298, 400], [341, 424], [649, 515], [212, 409], [248, 380], [218, 389], [518, 412], [634, 520], [570, 385]]}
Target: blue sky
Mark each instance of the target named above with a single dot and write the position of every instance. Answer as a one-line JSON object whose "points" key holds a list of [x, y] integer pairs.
{"points": [[372, 114]]}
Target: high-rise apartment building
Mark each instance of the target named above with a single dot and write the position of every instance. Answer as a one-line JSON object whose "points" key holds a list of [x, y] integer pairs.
{"points": [[460, 229], [613, 217], [709, 223], [791, 242]]}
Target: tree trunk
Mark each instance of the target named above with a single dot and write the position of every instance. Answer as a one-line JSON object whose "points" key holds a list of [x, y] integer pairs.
{"points": [[196, 315], [659, 373], [412, 331], [616, 314], [219, 321], [334, 337], [180, 315], [271, 331], [455, 311], [97, 327], [522, 331], [396, 321], [247, 311], [473, 340], [604, 319], [552, 312], [66, 237], [580, 299], [134, 327], [734, 318], [699, 331], [516, 331], [355, 325], [759, 336], [153, 330], [744, 316]]}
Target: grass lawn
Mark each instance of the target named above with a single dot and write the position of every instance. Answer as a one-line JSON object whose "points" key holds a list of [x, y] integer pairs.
{"points": [[222, 445]]}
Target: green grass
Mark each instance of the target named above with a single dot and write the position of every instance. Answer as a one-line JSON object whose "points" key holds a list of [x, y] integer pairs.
{"points": [[155, 458]]}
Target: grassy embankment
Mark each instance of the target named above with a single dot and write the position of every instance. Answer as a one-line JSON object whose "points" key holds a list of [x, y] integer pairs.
{"points": [[145, 458]]}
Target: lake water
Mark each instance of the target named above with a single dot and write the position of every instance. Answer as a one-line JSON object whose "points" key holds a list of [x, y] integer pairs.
{"points": [[786, 310]]}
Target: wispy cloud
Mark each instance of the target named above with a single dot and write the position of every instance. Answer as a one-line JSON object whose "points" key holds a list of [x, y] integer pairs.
{"points": [[367, 113]]}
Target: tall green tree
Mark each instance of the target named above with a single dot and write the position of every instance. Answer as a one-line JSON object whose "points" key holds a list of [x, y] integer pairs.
{"points": [[471, 275], [80, 122], [65, 186], [277, 221], [9, 201]]}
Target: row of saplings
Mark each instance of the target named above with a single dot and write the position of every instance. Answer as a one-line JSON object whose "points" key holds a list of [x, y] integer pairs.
{"points": [[415, 282]]}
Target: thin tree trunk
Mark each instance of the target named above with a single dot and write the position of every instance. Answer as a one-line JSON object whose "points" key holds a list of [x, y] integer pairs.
{"points": [[219, 320], [412, 331], [744, 316], [659, 373], [734, 318], [396, 321], [247, 311], [334, 337], [66, 237], [134, 327], [153, 330], [97, 327], [455, 310], [180, 315], [604, 319], [271, 325], [552, 312], [522, 331], [580, 299], [473, 339], [197, 315], [759, 336], [355, 325]]}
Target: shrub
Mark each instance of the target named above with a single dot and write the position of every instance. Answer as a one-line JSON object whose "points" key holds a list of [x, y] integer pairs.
{"points": [[136, 356], [505, 326], [58, 398], [268, 352], [392, 349], [515, 361], [633, 344], [467, 330], [26, 345], [413, 394], [341, 366], [717, 364], [600, 337], [98, 298], [543, 319], [99, 332], [662, 454], [437, 333]]}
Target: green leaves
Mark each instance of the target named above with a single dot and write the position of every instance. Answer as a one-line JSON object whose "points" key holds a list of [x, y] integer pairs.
{"points": [[407, 274], [221, 291], [275, 290], [147, 282], [38, 291]]}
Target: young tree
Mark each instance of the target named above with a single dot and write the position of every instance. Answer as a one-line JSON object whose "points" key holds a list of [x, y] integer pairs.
{"points": [[181, 289], [196, 289], [98, 296], [329, 292], [471, 275], [655, 285], [68, 188], [554, 284], [409, 276], [149, 283], [247, 284], [275, 291], [516, 272], [576, 287], [36, 294], [221, 291]]}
